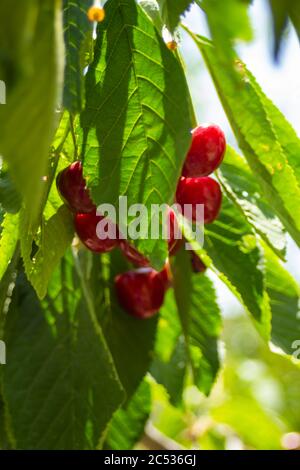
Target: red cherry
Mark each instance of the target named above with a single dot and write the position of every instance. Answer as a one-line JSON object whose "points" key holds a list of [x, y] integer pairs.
{"points": [[204, 191], [197, 264], [206, 152], [133, 255], [86, 228], [174, 242], [73, 190], [140, 293]]}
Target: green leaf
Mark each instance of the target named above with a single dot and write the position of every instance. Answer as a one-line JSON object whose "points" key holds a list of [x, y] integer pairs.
{"points": [[294, 13], [62, 133], [169, 365], [262, 132], [200, 319], [8, 240], [128, 423], [7, 285], [131, 340], [169, 328], [232, 245], [285, 304], [54, 200], [60, 384], [281, 11], [78, 35], [172, 374], [242, 188], [10, 199], [236, 257], [140, 88], [285, 133], [31, 43], [152, 9], [2, 213], [237, 26], [171, 12], [42, 251], [168, 420], [5, 443]]}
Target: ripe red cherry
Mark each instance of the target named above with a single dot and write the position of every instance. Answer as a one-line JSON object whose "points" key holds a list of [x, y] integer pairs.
{"points": [[89, 234], [73, 190], [141, 293], [133, 255], [206, 152], [197, 264], [204, 191]]}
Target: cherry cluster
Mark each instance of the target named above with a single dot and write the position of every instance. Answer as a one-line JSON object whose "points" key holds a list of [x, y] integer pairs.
{"points": [[141, 292]]}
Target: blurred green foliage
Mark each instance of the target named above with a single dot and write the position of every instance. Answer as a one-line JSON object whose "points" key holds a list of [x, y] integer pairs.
{"points": [[253, 405]]}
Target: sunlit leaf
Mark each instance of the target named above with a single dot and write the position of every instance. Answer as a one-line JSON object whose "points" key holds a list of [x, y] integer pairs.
{"points": [[285, 304], [152, 9], [242, 188], [237, 27], [261, 132], [136, 125], [8, 240], [31, 57], [42, 251]]}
